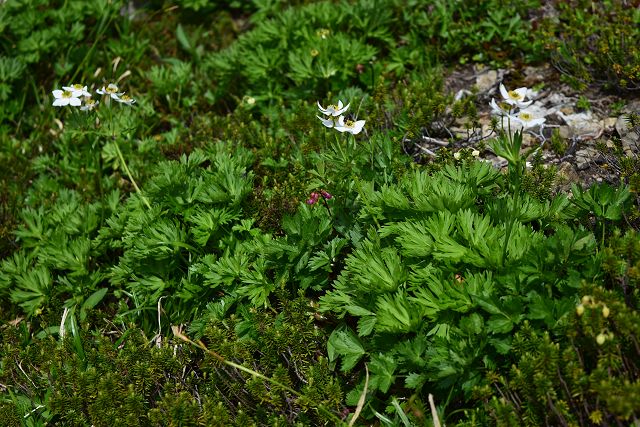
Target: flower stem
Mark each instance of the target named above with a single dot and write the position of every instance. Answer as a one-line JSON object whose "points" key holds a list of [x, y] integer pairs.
{"points": [[128, 172]]}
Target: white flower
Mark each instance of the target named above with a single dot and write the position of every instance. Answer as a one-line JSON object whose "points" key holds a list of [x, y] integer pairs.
{"points": [[350, 126], [500, 109], [78, 87], [515, 97], [125, 99], [66, 97], [475, 153], [111, 90], [528, 120], [327, 122], [89, 104], [333, 110]]}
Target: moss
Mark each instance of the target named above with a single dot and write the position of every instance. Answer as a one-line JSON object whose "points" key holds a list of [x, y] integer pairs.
{"points": [[123, 380]]}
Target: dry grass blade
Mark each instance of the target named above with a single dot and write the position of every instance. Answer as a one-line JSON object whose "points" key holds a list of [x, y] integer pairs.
{"points": [[362, 399]]}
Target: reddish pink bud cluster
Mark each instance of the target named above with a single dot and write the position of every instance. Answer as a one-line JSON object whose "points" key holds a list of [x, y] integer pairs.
{"points": [[315, 196]]}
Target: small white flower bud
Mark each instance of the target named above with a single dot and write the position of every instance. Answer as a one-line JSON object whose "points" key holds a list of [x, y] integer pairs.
{"points": [[601, 338], [605, 311], [580, 310]]}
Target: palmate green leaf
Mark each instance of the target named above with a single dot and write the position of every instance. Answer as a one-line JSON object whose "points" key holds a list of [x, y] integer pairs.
{"points": [[382, 368], [33, 289], [375, 270], [396, 313], [70, 255], [207, 222], [413, 237], [33, 231], [344, 343], [366, 325], [415, 380]]}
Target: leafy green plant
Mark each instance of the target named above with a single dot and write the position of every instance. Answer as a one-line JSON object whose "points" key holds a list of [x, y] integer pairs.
{"points": [[432, 297], [604, 51], [590, 378]]}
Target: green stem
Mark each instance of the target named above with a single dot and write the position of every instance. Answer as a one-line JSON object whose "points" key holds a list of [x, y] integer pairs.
{"points": [[128, 172], [121, 157]]}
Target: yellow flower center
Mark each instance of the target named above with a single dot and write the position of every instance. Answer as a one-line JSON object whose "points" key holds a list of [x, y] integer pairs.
{"points": [[125, 98], [514, 95], [349, 123], [526, 117], [315, 52], [111, 89], [66, 94], [77, 87]]}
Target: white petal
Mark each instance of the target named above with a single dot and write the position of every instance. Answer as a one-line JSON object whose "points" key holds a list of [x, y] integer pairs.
{"points": [[61, 102], [339, 104], [521, 91], [327, 122], [357, 127], [57, 93], [504, 92], [340, 109], [495, 108], [101, 91], [75, 102], [522, 104], [340, 122]]}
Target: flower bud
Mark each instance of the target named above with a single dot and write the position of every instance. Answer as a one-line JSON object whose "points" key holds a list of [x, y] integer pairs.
{"points": [[580, 309], [456, 155], [475, 153], [586, 300], [601, 338], [605, 311], [313, 198], [326, 194]]}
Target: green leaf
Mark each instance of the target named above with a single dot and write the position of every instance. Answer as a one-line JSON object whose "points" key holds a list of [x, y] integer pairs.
{"points": [[382, 368], [182, 38], [92, 301], [499, 324], [343, 342]]}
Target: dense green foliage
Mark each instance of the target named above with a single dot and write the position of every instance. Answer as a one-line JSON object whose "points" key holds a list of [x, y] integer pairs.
{"points": [[214, 255]]}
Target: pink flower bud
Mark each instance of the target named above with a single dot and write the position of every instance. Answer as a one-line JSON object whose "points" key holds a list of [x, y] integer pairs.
{"points": [[313, 198], [326, 194]]}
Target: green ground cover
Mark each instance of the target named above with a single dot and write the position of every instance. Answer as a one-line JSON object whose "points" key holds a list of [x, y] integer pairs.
{"points": [[216, 241]]}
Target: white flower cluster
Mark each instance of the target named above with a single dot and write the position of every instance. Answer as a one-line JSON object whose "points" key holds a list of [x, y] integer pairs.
{"points": [[339, 124], [513, 107], [78, 96]]}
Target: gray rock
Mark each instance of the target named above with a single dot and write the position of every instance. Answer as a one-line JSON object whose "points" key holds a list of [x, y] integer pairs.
{"points": [[485, 81]]}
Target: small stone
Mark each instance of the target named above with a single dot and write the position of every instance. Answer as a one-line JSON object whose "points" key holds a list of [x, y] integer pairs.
{"points": [[609, 122], [565, 132], [584, 157], [583, 124], [486, 81], [567, 172]]}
